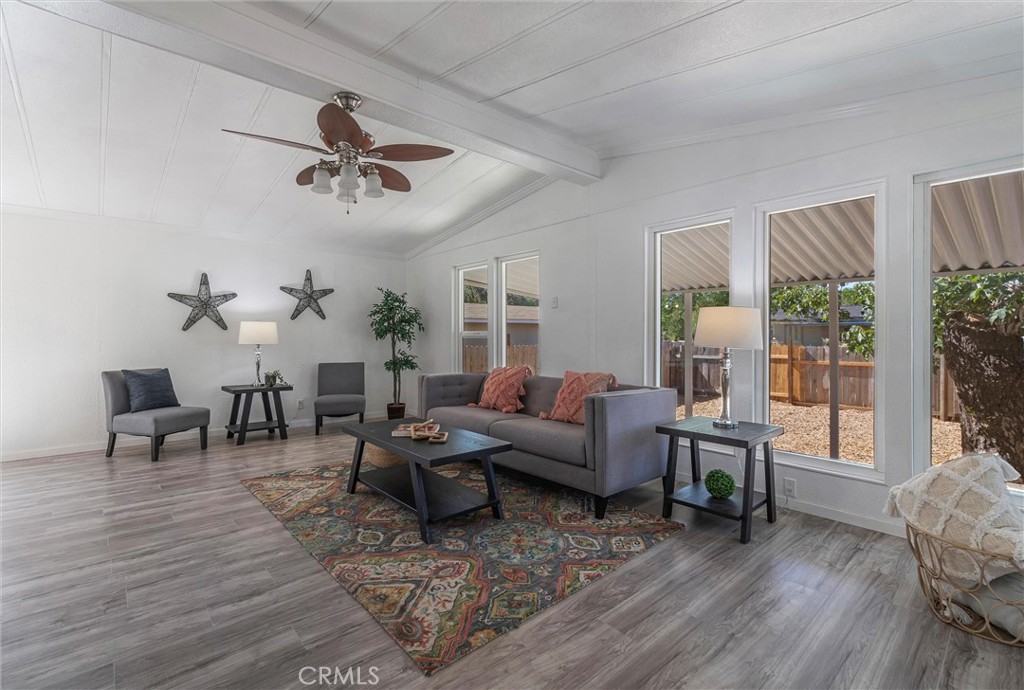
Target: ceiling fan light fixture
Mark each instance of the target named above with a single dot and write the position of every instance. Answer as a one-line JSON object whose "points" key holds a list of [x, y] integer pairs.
{"points": [[347, 196], [349, 178], [322, 181], [373, 185]]}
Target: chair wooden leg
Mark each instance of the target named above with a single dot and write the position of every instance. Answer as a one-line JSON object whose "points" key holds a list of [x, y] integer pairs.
{"points": [[203, 437], [319, 423], [360, 417], [154, 448], [162, 441], [111, 437], [600, 506]]}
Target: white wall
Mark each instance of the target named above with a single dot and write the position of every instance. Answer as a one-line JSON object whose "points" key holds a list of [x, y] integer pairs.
{"points": [[83, 296], [592, 246]]}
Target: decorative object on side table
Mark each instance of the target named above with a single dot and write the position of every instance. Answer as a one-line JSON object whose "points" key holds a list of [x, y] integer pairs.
{"points": [[203, 304], [394, 319], [258, 333], [307, 296], [720, 484], [274, 378], [729, 328], [745, 435]]}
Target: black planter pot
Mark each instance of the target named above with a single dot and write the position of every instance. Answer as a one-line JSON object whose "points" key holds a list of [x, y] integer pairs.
{"points": [[396, 410]]}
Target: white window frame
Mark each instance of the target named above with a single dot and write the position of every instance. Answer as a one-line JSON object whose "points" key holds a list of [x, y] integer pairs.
{"points": [[501, 308], [921, 313], [652, 279], [458, 320], [762, 238]]}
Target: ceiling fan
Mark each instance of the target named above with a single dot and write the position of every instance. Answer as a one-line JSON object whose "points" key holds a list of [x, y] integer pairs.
{"points": [[356, 154]]}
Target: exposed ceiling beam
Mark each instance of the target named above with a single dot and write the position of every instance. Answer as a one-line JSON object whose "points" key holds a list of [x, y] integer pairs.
{"points": [[251, 42]]}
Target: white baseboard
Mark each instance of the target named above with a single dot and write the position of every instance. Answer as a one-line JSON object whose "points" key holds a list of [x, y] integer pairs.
{"points": [[126, 440]]}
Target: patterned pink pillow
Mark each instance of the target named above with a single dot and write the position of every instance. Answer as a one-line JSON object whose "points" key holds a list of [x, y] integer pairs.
{"points": [[502, 389], [575, 387]]}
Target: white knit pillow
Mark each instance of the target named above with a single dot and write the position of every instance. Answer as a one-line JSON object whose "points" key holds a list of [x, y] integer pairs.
{"points": [[965, 501]]}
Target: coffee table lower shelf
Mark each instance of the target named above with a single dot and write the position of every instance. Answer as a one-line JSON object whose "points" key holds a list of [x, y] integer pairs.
{"points": [[696, 496], [446, 498]]}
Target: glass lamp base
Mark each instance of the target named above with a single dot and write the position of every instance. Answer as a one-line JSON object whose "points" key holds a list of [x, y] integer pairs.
{"points": [[725, 424]]}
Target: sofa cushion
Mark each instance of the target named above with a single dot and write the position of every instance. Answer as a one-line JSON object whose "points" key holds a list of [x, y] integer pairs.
{"points": [[160, 421], [503, 388], [339, 404], [149, 390], [476, 419], [541, 392], [575, 388], [556, 440]]}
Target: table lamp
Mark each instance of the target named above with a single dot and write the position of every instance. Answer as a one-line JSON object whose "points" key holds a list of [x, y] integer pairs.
{"points": [[257, 333], [728, 327]]}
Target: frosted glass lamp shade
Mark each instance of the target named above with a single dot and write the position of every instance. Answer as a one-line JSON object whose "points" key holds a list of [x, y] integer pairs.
{"points": [[373, 186], [322, 181], [736, 327], [349, 178], [347, 196], [257, 333]]}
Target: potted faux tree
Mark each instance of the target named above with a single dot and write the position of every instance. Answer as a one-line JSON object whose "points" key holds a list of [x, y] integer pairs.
{"points": [[392, 318]]}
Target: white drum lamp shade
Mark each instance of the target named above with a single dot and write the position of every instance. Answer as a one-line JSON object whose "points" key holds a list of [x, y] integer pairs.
{"points": [[257, 333], [735, 327], [729, 328]]}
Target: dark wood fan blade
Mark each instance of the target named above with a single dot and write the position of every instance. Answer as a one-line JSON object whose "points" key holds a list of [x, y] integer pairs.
{"points": [[327, 142], [306, 176], [366, 145], [411, 152], [338, 125], [391, 178], [283, 142]]}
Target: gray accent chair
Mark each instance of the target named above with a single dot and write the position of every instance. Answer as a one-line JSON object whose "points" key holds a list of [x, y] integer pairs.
{"points": [[615, 449], [156, 423], [340, 390]]}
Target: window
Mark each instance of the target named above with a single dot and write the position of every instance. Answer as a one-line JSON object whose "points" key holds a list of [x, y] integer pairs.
{"points": [[977, 268], [473, 354], [515, 335], [520, 279], [693, 269], [822, 329]]}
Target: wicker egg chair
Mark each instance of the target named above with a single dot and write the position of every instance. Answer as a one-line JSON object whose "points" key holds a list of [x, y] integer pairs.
{"points": [[969, 604]]}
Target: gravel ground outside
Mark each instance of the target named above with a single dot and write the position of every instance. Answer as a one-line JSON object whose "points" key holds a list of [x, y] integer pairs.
{"points": [[807, 431]]}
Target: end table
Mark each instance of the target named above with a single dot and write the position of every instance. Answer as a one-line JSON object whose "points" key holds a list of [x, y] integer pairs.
{"points": [[746, 436], [244, 426]]}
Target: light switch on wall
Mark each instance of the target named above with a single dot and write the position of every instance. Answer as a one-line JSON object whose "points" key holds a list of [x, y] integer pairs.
{"points": [[554, 303]]}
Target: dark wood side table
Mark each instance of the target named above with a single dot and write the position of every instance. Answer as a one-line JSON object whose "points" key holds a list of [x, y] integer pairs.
{"points": [[747, 436], [244, 426]]}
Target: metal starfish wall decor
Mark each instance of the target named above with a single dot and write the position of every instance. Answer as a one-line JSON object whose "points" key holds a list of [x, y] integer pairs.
{"points": [[203, 304], [307, 296]]}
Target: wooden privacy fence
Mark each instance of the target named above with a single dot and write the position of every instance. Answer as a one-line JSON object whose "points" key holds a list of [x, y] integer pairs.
{"points": [[474, 357], [707, 368], [799, 376]]}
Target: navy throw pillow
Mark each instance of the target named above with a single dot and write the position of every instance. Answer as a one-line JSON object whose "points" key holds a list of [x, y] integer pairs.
{"points": [[147, 391]]}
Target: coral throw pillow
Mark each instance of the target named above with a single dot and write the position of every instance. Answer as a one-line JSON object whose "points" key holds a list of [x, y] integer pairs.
{"points": [[575, 387], [502, 389]]}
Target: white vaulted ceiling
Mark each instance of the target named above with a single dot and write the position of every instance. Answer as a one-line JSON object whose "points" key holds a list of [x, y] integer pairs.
{"points": [[103, 115]]}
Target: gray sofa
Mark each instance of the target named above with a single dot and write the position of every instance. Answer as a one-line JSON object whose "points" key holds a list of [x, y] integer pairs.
{"points": [[616, 448]]}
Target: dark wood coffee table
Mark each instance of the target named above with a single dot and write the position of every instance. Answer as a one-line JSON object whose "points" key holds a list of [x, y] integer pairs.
{"points": [[428, 494]]}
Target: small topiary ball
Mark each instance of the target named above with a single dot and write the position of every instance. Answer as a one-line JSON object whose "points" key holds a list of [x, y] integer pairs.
{"points": [[720, 484]]}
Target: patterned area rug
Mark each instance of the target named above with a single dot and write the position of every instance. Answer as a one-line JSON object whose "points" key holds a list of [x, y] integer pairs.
{"points": [[481, 578]]}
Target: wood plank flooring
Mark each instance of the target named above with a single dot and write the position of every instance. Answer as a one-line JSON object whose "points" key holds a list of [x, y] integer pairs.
{"points": [[123, 573]]}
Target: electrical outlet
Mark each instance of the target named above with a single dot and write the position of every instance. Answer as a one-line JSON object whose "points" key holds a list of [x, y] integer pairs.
{"points": [[302, 404], [789, 487]]}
